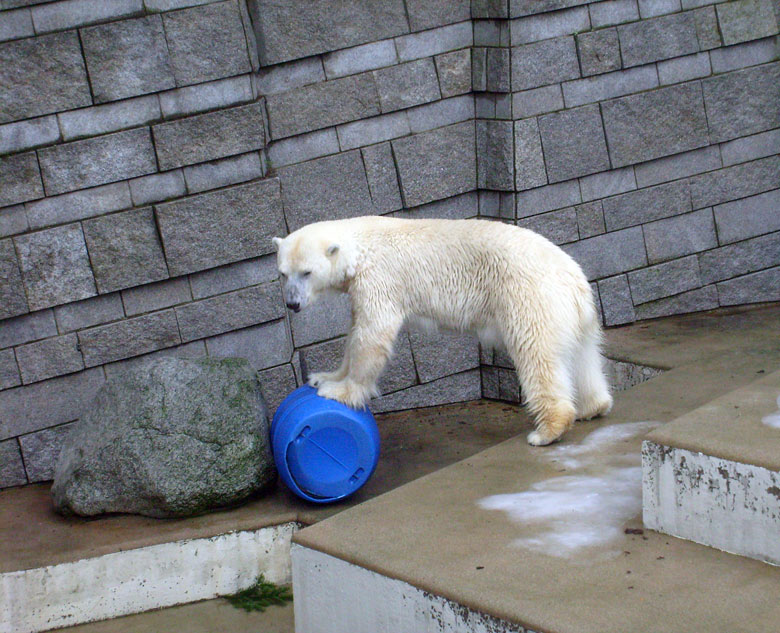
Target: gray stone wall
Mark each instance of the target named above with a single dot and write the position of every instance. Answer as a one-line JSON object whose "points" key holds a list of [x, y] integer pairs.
{"points": [[149, 149]]}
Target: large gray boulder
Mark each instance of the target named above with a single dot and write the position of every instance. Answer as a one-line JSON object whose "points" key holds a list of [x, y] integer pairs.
{"points": [[169, 438]]}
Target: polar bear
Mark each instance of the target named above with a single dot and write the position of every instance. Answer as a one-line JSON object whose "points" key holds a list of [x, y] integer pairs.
{"points": [[507, 284]]}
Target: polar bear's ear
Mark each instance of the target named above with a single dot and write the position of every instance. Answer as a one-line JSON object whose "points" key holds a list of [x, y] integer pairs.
{"points": [[332, 250], [276, 241]]}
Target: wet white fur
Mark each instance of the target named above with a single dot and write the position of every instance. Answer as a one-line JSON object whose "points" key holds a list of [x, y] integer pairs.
{"points": [[505, 283]]}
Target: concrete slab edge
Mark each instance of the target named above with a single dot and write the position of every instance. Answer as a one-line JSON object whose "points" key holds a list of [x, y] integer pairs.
{"points": [[143, 579], [724, 504], [335, 596]]}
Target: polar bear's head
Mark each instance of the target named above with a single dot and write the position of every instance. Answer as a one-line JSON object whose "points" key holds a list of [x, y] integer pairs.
{"points": [[312, 260]]}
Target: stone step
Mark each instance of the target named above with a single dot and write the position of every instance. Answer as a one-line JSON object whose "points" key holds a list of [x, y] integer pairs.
{"points": [[713, 475]]}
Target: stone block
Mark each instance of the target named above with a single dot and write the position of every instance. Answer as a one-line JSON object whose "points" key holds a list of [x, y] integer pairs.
{"points": [[12, 298], [609, 85], [231, 311], [488, 32], [742, 102], [745, 149], [436, 164], [44, 74], [705, 298], [739, 181], [21, 179], [740, 258], [560, 227], [646, 205], [519, 8], [664, 280], [456, 208], [548, 198], [109, 118], [442, 353], [13, 220], [528, 159], [685, 68], [65, 15], [537, 101], [707, 28], [548, 25], [17, 137], [227, 225], [131, 337], [49, 358], [44, 404], [748, 217], [660, 38], [97, 161], [655, 124], [495, 161], [489, 9], [158, 6], [574, 143], [276, 384], [610, 254], [297, 149], [286, 32], [41, 450], [55, 266], [599, 52], [434, 42], [15, 25], [590, 219], [209, 136], [490, 204], [457, 388], [428, 14], [194, 350], [743, 55], [454, 71], [543, 63], [753, 288], [374, 130], [607, 183], [382, 178], [11, 465], [497, 70], [127, 58], [328, 318], [208, 96], [9, 372], [206, 42], [654, 8], [78, 205], [479, 69], [234, 276], [746, 20], [30, 327], [440, 113], [350, 61], [616, 305], [309, 194], [89, 312], [406, 85], [284, 77], [221, 173], [125, 250], [613, 12], [678, 166], [322, 105], [157, 187], [680, 235]]}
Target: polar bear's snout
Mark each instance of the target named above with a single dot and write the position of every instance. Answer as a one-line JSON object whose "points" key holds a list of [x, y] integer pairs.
{"points": [[296, 294]]}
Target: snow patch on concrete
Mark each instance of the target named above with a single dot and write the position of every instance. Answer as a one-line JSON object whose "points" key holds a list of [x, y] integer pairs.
{"points": [[589, 507], [773, 419]]}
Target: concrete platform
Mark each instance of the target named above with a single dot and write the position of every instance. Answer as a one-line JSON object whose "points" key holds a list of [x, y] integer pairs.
{"points": [[713, 475], [552, 539]]}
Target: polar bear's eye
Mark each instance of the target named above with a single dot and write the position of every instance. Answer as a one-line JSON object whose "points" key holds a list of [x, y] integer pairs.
{"points": [[305, 273]]}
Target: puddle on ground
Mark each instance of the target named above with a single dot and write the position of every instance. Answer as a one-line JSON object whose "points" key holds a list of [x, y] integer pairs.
{"points": [[587, 508], [773, 419]]}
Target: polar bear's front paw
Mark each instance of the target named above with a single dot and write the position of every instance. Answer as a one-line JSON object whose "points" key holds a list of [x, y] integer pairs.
{"points": [[535, 438], [347, 392], [320, 377]]}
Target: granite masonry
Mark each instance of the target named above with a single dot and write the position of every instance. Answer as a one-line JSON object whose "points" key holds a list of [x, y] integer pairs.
{"points": [[149, 150]]}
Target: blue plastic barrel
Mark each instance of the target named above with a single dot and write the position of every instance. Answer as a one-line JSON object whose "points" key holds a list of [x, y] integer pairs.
{"points": [[324, 450]]}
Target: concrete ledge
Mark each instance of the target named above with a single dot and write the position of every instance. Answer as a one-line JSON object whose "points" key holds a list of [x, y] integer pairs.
{"points": [[724, 504], [142, 579], [334, 596]]}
